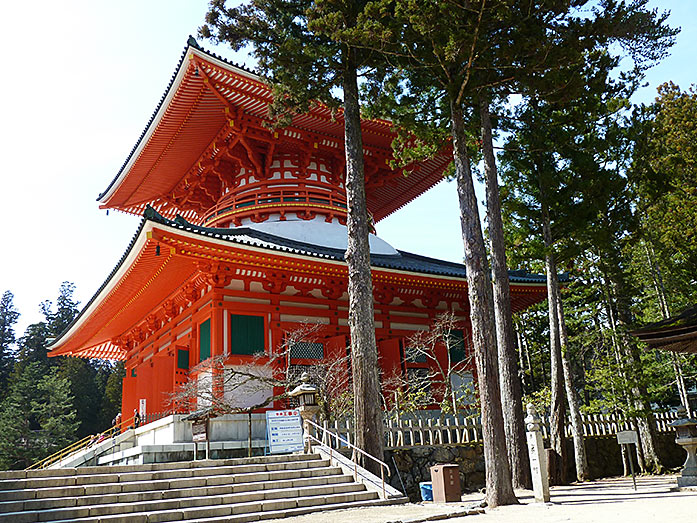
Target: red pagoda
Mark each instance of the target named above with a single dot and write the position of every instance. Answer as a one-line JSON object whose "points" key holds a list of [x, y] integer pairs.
{"points": [[243, 238]]}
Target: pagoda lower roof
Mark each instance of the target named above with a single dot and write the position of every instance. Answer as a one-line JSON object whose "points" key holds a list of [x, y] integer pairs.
{"points": [[144, 276], [677, 333], [403, 261]]}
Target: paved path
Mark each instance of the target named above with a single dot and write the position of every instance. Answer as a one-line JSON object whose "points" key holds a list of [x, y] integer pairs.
{"points": [[603, 501]]}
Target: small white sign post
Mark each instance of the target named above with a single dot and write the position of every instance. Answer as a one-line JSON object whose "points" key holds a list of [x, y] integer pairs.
{"points": [[626, 438], [284, 431], [538, 459]]}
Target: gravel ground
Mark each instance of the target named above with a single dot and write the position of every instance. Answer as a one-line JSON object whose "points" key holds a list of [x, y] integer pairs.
{"points": [[603, 501]]}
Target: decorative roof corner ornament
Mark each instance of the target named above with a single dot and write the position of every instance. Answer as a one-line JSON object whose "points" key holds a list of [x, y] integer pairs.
{"points": [[193, 43]]}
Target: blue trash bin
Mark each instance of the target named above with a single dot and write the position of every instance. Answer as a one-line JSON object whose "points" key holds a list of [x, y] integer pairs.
{"points": [[426, 491]]}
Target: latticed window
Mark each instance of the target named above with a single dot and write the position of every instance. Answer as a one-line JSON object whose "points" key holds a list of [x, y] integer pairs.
{"points": [[456, 343], [295, 371], [414, 354], [418, 379], [303, 350]]}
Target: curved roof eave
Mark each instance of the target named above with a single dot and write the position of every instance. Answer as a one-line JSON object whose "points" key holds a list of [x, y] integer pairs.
{"points": [[176, 80], [403, 262], [122, 265]]}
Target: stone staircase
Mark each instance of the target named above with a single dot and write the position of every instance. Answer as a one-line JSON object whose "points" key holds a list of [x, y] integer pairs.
{"points": [[232, 490]]}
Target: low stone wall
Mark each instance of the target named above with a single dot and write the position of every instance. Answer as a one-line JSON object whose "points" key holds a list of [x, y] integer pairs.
{"points": [[605, 456], [413, 464]]}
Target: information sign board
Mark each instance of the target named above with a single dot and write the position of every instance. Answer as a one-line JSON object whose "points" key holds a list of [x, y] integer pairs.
{"points": [[626, 437], [284, 431], [199, 430]]}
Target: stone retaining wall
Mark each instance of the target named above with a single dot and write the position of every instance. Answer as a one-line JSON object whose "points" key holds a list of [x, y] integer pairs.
{"points": [[605, 456], [413, 463]]}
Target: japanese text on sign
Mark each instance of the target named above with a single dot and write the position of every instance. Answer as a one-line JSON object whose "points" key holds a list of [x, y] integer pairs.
{"points": [[284, 431]]}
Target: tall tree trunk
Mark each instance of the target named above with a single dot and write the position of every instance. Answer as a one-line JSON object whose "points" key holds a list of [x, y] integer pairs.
{"points": [[364, 356], [646, 422], [528, 361], [665, 313], [557, 408], [581, 461], [525, 357], [499, 487], [511, 395], [524, 380], [621, 367]]}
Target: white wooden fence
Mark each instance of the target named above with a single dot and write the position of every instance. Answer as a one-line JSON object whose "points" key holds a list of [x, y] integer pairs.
{"points": [[460, 429]]}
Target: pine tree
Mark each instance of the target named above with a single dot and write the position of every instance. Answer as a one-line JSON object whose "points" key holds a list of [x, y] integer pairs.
{"points": [[28, 415], [111, 399], [65, 311], [301, 51], [52, 409], [8, 317]]}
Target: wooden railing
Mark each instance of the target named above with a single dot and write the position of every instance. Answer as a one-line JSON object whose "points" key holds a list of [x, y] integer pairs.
{"points": [[252, 198]]}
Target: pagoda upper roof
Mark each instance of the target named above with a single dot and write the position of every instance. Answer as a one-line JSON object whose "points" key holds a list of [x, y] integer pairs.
{"points": [[205, 96], [143, 278]]}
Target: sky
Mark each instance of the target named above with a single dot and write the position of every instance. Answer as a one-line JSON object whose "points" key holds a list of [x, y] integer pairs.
{"points": [[79, 82]]}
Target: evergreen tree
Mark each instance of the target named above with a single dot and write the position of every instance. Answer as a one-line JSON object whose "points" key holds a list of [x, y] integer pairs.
{"points": [[52, 408], [8, 317], [36, 418], [111, 400], [86, 393], [32, 344], [490, 49], [302, 51], [65, 311]]}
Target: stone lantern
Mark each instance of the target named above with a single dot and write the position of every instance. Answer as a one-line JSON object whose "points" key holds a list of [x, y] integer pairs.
{"points": [[306, 393], [686, 437]]}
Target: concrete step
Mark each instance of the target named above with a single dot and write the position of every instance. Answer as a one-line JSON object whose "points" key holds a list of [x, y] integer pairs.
{"points": [[298, 511], [265, 498], [236, 490], [225, 511], [163, 485], [90, 482], [153, 495], [42, 473], [106, 474]]}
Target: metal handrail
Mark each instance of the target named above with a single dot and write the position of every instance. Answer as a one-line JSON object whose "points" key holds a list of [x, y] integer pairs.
{"points": [[383, 465], [79, 445]]}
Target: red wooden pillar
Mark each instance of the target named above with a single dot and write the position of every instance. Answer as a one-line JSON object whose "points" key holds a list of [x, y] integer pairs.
{"points": [[390, 366], [217, 323]]}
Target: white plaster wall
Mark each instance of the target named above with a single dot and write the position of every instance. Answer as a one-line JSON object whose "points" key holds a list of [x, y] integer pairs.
{"points": [[173, 429], [317, 232]]}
